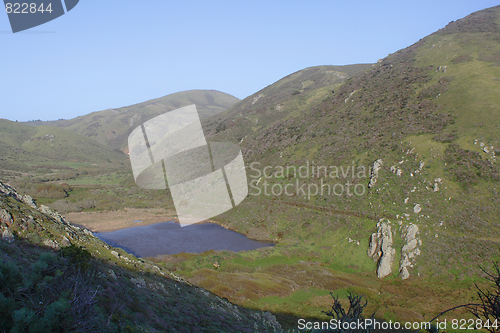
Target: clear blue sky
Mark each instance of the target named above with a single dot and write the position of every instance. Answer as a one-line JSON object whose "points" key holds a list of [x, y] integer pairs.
{"points": [[112, 53]]}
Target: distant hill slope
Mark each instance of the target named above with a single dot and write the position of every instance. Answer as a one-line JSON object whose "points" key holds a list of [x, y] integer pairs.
{"points": [[57, 277], [26, 148], [112, 127], [285, 98]]}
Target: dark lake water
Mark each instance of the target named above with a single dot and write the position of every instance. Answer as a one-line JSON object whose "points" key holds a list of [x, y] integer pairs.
{"points": [[170, 238]]}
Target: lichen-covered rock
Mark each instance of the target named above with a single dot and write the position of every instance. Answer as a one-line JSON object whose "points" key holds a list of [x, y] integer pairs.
{"points": [[5, 217], [112, 274], [55, 215], [409, 250], [157, 286], [380, 248], [7, 235], [437, 181], [87, 232], [29, 201], [51, 243], [65, 241], [377, 165]]}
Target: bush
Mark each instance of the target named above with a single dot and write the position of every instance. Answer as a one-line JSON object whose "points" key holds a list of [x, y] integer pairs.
{"points": [[353, 314], [10, 277], [489, 309], [77, 255]]}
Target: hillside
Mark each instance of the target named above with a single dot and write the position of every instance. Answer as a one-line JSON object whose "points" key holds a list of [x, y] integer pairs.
{"points": [[378, 179], [112, 127], [289, 97], [404, 155], [56, 277], [39, 149]]}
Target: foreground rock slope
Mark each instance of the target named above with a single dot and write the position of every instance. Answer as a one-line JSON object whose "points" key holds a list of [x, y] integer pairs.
{"points": [[58, 277]]}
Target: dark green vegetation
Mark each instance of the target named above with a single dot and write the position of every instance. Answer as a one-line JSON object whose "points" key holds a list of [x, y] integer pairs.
{"points": [[55, 277], [430, 113]]}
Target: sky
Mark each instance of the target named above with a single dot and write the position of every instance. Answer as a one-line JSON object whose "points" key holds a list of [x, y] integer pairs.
{"points": [[112, 53]]}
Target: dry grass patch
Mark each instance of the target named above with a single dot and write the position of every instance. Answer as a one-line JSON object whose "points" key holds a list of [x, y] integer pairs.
{"points": [[313, 276], [239, 287], [106, 221]]}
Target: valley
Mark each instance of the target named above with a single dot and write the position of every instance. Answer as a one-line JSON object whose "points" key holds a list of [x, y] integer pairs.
{"points": [[400, 201]]}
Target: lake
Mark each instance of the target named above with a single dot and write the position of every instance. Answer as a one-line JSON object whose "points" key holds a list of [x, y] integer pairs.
{"points": [[171, 238]]}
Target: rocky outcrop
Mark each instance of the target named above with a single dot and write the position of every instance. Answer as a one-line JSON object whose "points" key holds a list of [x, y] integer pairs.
{"points": [[255, 99], [8, 190], [396, 170], [55, 215], [380, 248], [437, 181], [51, 228], [5, 217], [410, 249], [377, 165], [29, 201], [7, 235], [51, 243]]}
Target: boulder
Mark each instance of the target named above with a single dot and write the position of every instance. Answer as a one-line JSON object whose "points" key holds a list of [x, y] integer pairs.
{"points": [[52, 244], [409, 250], [5, 217], [29, 201], [380, 248], [7, 235], [377, 165]]}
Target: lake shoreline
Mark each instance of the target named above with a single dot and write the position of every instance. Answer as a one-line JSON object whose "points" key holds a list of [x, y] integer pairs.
{"points": [[169, 238]]}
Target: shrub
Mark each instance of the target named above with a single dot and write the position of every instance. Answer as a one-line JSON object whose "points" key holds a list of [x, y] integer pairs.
{"points": [[77, 255], [10, 277], [489, 309], [353, 314]]}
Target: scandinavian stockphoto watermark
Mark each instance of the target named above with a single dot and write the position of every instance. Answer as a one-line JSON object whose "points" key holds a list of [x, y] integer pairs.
{"points": [[24, 15], [308, 180], [205, 179]]}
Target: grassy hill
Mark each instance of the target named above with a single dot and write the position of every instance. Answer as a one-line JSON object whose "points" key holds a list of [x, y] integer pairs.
{"points": [[112, 127], [289, 97], [25, 148], [429, 116]]}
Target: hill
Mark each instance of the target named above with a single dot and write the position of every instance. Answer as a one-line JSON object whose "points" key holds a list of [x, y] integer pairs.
{"points": [[401, 154], [112, 127], [289, 97], [39, 149]]}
